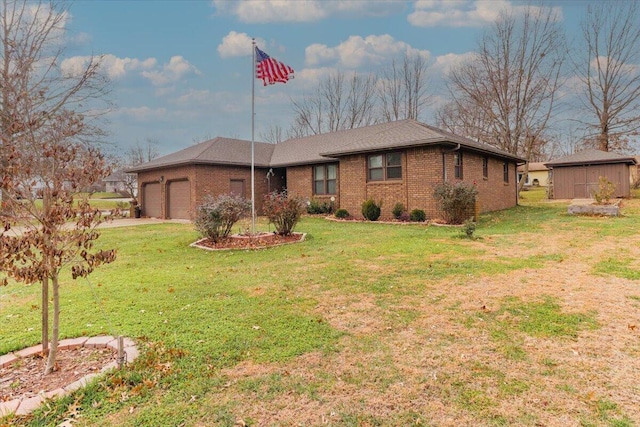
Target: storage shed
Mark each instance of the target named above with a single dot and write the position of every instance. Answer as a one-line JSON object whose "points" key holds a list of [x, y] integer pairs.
{"points": [[577, 176]]}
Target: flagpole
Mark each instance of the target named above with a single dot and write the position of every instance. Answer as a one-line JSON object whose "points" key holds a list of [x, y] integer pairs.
{"points": [[253, 115]]}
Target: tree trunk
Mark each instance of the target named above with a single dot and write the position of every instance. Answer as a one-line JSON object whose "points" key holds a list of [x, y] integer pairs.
{"points": [[53, 350], [45, 315]]}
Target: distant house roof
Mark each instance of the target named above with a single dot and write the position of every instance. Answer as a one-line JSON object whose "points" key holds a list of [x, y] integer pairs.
{"points": [[590, 157], [534, 167], [319, 148], [116, 176]]}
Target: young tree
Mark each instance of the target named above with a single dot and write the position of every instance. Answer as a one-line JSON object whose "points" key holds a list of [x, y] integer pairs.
{"points": [[607, 65], [46, 149], [507, 92]]}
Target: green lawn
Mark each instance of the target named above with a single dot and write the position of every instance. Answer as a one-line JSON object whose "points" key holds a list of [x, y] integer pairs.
{"points": [[361, 324]]}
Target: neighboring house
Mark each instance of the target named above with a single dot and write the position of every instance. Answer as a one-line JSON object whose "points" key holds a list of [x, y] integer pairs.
{"points": [[538, 175], [395, 162], [577, 176], [120, 182]]}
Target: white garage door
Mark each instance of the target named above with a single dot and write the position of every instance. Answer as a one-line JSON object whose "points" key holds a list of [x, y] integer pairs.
{"points": [[151, 201], [179, 197]]}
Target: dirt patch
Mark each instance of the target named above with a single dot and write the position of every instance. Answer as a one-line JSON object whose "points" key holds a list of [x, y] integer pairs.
{"points": [[24, 378]]}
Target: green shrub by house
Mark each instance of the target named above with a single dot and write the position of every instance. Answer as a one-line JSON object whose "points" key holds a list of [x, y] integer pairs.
{"points": [[398, 210], [371, 210], [342, 213], [417, 215]]}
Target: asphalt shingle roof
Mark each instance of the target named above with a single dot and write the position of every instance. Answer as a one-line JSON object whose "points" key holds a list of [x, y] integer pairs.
{"points": [[224, 151], [318, 148], [591, 156]]}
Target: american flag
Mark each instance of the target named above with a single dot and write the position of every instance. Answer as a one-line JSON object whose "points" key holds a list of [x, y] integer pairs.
{"points": [[270, 70]]}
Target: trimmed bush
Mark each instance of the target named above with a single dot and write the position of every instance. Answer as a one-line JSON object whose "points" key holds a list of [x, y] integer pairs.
{"points": [[398, 210], [283, 211], [456, 201], [371, 210], [316, 207], [215, 217], [417, 215], [469, 228], [342, 213]]}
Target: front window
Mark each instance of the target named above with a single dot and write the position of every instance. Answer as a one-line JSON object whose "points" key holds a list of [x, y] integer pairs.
{"points": [[324, 179], [384, 167], [505, 171], [457, 157]]}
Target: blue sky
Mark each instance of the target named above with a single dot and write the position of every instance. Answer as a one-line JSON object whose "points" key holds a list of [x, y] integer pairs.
{"points": [[181, 71]]}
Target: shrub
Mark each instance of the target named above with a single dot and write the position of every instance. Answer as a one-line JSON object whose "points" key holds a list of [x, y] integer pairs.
{"points": [[398, 210], [404, 217], [418, 215], [371, 210], [468, 228], [456, 201], [316, 207], [215, 217], [283, 211], [606, 189], [342, 213]]}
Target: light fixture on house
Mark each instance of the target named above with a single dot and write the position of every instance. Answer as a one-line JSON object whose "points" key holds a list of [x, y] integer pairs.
{"points": [[161, 179]]}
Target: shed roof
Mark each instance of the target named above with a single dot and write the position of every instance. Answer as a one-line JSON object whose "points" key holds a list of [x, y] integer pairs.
{"points": [[590, 157]]}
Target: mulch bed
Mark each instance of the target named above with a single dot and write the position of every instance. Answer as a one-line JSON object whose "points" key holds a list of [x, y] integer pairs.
{"points": [[243, 242], [24, 378]]}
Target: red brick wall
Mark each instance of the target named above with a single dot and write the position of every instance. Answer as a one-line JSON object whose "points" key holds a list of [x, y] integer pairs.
{"points": [[210, 180], [421, 173], [300, 183], [164, 176]]}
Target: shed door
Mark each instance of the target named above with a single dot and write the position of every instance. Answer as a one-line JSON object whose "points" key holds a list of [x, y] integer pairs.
{"points": [[178, 200], [237, 187], [152, 200], [580, 188]]}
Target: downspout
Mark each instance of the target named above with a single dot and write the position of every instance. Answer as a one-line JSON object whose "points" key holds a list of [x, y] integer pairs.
{"points": [[518, 183], [444, 161]]}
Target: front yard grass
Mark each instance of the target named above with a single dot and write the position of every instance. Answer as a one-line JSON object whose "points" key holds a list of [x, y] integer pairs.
{"points": [[361, 324]]}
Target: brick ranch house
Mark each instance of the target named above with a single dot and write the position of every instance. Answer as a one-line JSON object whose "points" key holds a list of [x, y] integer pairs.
{"points": [[393, 162]]}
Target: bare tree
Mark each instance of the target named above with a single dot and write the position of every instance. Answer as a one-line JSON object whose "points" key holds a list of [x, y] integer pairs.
{"points": [[510, 86], [142, 153], [607, 64], [402, 90], [335, 104], [274, 135], [46, 149]]}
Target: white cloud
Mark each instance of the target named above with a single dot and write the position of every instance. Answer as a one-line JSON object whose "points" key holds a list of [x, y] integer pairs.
{"points": [[444, 63], [358, 51], [113, 66], [177, 68], [262, 11], [447, 13], [461, 13], [237, 44]]}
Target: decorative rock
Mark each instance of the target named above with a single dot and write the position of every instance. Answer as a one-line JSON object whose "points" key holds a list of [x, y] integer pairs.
{"points": [[73, 342], [7, 359], [29, 405], [98, 342], [9, 407], [606, 210]]}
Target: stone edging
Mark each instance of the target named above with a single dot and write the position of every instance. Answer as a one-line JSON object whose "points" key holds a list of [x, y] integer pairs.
{"points": [[197, 244], [25, 406]]}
